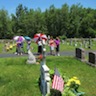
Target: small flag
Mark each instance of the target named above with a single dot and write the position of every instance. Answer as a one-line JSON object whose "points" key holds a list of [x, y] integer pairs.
{"points": [[58, 82]]}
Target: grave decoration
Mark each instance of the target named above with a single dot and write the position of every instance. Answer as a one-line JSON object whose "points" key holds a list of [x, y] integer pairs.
{"points": [[71, 86]]}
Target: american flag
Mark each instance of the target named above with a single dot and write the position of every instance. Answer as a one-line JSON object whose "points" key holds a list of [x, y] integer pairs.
{"points": [[58, 82]]}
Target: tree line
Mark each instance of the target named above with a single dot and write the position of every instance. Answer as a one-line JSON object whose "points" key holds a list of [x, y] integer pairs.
{"points": [[75, 21]]}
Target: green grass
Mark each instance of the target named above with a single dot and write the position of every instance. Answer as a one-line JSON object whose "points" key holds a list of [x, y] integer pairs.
{"points": [[63, 47], [70, 67], [19, 79], [35, 48]]}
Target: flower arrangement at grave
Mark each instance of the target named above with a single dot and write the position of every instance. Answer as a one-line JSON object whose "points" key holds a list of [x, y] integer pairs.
{"points": [[73, 83], [71, 86]]}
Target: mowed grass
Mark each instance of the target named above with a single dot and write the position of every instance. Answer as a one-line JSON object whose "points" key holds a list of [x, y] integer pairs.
{"points": [[19, 79], [70, 67], [63, 47]]}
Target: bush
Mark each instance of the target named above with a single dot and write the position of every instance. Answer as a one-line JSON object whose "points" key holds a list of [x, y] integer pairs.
{"points": [[54, 92], [63, 37]]}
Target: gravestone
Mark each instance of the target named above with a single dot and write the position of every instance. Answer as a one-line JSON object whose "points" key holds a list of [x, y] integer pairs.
{"points": [[80, 54], [80, 44], [63, 41], [92, 59], [45, 80], [45, 76], [31, 58], [71, 41], [90, 43], [85, 43]]}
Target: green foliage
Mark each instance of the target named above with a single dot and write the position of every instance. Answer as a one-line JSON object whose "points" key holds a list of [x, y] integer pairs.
{"points": [[74, 21], [19, 79], [70, 67], [63, 37], [68, 92], [54, 92], [5, 26]]}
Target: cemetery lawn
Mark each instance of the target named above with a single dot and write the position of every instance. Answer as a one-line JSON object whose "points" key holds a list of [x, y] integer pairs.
{"points": [[63, 47], [19, 79]]}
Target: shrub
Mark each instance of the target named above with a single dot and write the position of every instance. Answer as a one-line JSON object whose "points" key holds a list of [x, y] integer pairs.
{"points": [[54, 92]]}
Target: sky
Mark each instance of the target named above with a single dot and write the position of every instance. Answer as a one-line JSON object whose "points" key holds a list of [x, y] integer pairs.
{"points": [[11, 5]]}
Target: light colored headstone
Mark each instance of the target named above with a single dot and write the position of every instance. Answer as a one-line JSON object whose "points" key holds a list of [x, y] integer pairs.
{"points": [[70, 41], [45, 80], [80, 44], [31, 58], [45, 76], [75, 44], [62, 41], [90, 43]]}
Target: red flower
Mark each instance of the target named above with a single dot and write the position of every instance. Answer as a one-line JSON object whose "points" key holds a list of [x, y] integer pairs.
{"points": [[40, 57]]}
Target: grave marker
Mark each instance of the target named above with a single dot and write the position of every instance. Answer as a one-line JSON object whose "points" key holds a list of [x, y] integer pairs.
{"points": [[92, 59], [45, 76], [31, 58], [80, 54]]}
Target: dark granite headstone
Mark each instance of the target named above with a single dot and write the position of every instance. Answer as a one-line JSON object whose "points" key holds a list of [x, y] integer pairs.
{"points": [[92, 58], [80, 54]]}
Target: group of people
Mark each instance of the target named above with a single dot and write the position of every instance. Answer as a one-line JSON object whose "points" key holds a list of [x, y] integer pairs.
{"points": [[20, 46], [54, 45]]}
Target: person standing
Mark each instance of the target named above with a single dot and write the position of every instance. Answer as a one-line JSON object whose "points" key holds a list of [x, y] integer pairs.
{"points": [[18, 47], [52, 45], [39, 46], [57, 42]]}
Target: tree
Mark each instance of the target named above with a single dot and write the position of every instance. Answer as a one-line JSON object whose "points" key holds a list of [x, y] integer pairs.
{"points": [[5, 26], [75, 20]]}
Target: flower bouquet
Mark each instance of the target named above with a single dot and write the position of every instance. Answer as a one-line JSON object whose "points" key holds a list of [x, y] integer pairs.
{"points": [[71, 86]]}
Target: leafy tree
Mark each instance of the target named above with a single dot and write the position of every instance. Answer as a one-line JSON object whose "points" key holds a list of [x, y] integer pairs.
{"points": [[74, 21], [5, 27], [64, 20], [87, 28]]}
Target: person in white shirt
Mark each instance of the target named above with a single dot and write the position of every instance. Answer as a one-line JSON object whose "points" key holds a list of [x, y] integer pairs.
{"points": [[39, 46]]}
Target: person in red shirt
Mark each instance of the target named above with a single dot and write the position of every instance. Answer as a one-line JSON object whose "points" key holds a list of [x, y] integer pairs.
{"points": [[52, 45]]}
